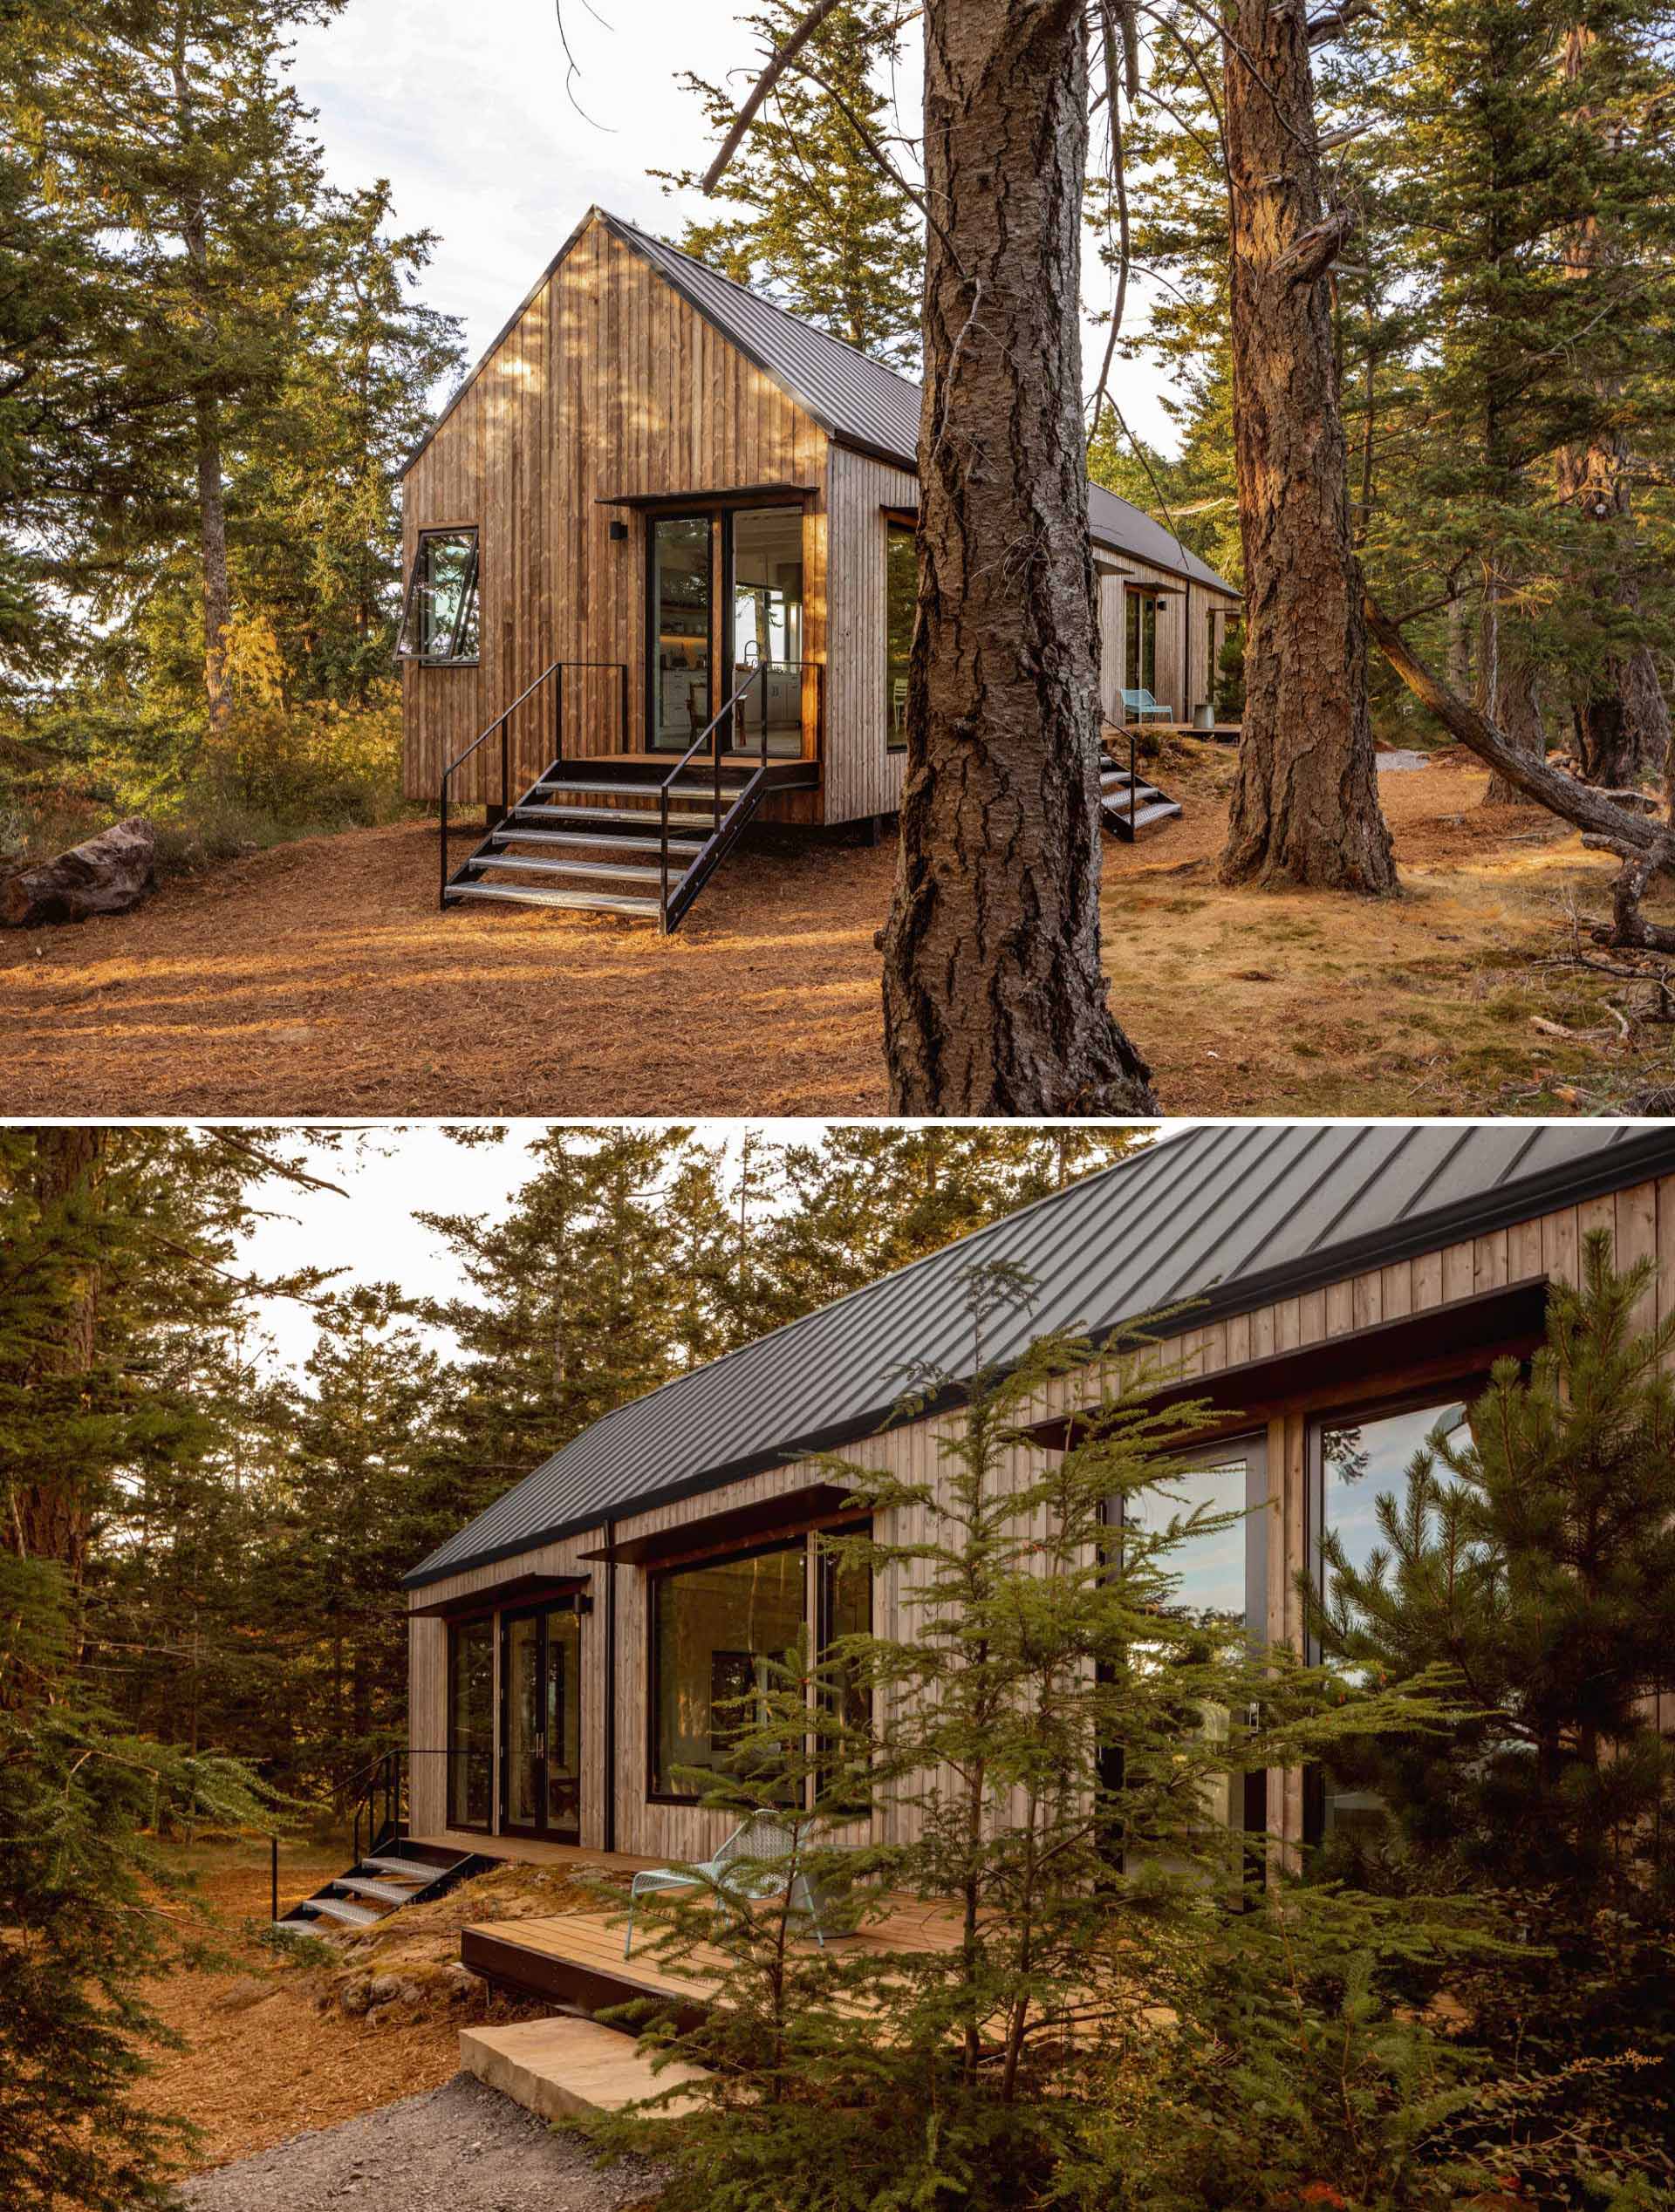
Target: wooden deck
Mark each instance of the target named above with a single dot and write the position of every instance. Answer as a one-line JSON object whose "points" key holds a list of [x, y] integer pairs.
{"points": [[531, 1852], [576, 1958]]}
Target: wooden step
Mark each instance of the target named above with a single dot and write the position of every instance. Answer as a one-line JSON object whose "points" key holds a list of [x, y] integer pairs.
{"points": [[564, 2068], [590, 902]]}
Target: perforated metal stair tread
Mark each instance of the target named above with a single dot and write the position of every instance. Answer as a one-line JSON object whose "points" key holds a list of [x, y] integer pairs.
{"points": [[417, 1870], [634, 790], [384, 1893], [614, 838], [342, 1908], [636, 815], [617, 869], [588, 901]]}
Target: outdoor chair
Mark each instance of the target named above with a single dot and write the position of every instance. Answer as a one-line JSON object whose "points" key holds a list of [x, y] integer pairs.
{"points": [[741, 1873], [1140, 707]]}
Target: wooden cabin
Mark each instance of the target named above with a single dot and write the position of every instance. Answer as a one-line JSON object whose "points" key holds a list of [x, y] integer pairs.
{"points": [[1351, 1285], [655, 489]]}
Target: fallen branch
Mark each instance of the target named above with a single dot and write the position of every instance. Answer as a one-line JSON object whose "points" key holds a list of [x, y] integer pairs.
{"points": [[1644, 843]]}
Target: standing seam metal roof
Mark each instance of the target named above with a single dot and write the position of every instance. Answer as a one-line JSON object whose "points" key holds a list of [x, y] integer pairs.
{"points": [[855, 399], [1228, 1216]]}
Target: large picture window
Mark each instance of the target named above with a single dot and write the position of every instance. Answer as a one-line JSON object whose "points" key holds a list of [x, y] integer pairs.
{"points": [[438, 622], [471, 1723], [900, 605], [717, 1626]]}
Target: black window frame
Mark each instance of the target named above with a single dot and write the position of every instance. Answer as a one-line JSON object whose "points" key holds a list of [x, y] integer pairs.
{"points": [[469, 600], [893, 746], [456, 1628], [825, 1568]]}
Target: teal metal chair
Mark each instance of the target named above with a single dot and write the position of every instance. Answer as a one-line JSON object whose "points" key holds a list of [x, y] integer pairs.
{"points": [[1140, 707], [742, 1872]]}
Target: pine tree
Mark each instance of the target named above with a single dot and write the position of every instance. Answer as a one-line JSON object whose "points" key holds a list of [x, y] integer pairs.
{"points": [[1036, 1658], [821, 227], [1536, 1560]]}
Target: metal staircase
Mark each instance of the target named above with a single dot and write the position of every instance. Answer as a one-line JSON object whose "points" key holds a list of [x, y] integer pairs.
{"points": [[1127, 804], [625, 837], [391, 1871]]}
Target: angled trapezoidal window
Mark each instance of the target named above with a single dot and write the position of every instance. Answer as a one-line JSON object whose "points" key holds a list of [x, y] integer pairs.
{"points": [[439, 623]]}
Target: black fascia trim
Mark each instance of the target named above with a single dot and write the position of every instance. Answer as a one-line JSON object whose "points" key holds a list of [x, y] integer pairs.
{"points": [[1650, 1151]]}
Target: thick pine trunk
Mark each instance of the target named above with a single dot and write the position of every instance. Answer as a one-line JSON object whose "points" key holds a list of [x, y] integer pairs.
{"points": [[994, 998], [49, 1515], [1305, 808], [217, 590], [1507, 693], [1622, 725]]}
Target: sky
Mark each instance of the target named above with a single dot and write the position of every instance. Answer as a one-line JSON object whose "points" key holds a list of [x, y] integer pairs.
{"points": [[389, 1173], [463, 106]]}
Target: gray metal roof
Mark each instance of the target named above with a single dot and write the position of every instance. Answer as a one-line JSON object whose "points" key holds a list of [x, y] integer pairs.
{"points": [[861, 402], [855, 399], [1231, 1215]]}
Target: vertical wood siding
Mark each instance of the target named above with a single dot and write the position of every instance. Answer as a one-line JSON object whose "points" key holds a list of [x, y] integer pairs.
{"points": [[608, 383], [862, 775], [1642, 1220]]}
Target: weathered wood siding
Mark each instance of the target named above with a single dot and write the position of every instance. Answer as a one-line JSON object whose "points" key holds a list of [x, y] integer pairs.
{"points": [[862, 775], [607, 383], [1641, 1218]]}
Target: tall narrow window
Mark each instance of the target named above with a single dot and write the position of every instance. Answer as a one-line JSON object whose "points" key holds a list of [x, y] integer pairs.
{"points": [[470, 1724], [1356, 1461], [900, 605], [439, 623]]}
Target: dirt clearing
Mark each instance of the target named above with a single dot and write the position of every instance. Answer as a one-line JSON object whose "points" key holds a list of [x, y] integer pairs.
{"points": [[319, 978]]}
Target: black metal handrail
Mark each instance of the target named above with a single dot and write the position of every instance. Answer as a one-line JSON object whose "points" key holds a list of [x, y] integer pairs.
{"points": [[503, 724], [712, 731]]}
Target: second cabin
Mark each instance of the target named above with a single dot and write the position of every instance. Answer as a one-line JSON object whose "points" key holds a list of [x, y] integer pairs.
{"points": [[661, 579]]}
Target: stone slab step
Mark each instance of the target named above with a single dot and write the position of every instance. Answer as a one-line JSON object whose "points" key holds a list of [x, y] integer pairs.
{"points": [[563, 2067]]}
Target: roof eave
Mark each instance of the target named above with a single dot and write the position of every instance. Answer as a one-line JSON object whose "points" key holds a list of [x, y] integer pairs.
{"points": [[1651, 1150]]}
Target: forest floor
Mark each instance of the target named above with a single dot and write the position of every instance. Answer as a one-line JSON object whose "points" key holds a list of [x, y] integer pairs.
{"points": [[283, 2043], [319, 978]]}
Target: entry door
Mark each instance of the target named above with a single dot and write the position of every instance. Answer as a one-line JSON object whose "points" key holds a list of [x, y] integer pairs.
{"points": [[541, 1719]]}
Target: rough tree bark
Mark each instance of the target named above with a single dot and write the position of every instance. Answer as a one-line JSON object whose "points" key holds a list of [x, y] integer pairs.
{"points": [[1507, 695], [1622, 725], [1305, 808], [47, 1516], [994, 997]]}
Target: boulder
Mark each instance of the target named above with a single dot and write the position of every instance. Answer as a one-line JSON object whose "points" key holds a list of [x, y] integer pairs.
{"points": [[107, 875]]}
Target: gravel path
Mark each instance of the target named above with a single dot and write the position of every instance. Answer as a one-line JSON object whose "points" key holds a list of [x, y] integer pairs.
{"points": [[461, 2146]]}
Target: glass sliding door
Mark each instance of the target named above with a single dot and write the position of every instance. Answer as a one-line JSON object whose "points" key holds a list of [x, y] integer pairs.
{"points": [[679, 629], [541, 1753], [765, 564]]}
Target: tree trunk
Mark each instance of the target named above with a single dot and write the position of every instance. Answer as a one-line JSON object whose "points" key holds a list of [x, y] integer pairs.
{"points": [[1623, 726], [994, 997], [217, 590], [48, 1517], [1305, 808], [1506, 695]]}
